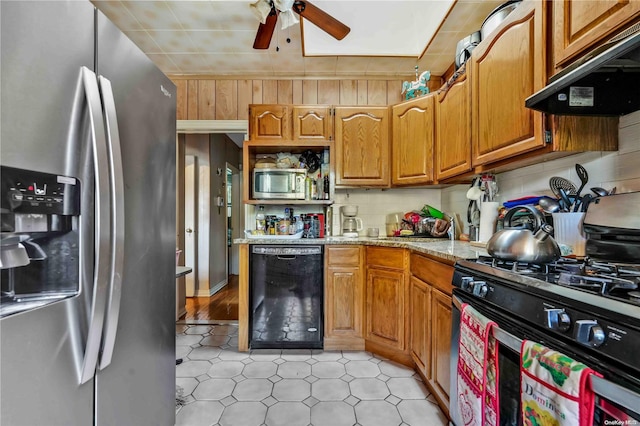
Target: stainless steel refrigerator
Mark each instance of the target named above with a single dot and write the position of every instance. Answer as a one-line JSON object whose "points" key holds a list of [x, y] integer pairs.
{"points": [[87, 152]]}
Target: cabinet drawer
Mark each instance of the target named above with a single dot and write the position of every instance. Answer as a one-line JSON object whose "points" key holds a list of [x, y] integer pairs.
{"points": [[435, 273], [343, 256], [385, 257]]}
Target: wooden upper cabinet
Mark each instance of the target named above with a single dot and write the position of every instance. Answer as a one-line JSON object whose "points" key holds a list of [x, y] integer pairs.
{"points": [[508, 67], [362, 146], [453, 129], [412, 142], [312, 122], [580, 26], [269, 122]]}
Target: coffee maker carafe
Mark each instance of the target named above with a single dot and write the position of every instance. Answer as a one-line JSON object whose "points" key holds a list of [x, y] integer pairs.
{"points": [[350, 223]]}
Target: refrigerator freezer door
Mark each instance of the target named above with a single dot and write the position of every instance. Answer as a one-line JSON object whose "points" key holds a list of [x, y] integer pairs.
{"points": [[144, 350], [41, 350]]}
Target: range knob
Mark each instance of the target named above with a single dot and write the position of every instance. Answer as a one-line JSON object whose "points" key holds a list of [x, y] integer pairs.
{"points": [[558, 319], [466, 283], [480, 288], [589, 333]]}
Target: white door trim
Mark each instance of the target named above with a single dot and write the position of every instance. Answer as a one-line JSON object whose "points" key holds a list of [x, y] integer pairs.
{"points": [[212, 126]]}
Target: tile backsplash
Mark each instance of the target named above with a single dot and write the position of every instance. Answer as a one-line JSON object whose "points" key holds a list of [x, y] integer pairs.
{"points": [[618, 169], [375, 204]]}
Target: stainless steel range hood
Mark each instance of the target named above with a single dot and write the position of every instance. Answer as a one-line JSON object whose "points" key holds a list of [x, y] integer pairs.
{"points": [[606, 82]]}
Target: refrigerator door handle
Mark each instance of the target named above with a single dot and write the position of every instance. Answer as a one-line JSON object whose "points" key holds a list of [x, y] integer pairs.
{"points": [[116, 256], [88, 89]]}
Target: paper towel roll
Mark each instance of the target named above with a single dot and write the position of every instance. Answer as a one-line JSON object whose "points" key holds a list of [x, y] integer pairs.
{"points": [[488, 218]]}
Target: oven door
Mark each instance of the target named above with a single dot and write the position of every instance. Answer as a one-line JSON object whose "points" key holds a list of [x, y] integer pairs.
{"points": [[615, 404]]}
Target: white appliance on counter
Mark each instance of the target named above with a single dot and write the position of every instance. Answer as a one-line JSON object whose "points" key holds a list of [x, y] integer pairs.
{"points": [[88, 130], [351, 225]]}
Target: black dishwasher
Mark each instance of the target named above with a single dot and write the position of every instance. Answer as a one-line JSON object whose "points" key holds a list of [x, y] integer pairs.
{"points": [[286, 294]]}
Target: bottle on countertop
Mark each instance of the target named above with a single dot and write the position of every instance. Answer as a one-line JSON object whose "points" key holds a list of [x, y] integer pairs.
{"points": [[326, 187], [308, 183], [260, 220]]}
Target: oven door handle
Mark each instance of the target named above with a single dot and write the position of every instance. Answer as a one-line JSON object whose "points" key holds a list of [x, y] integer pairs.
{"points": [[605, 388]]}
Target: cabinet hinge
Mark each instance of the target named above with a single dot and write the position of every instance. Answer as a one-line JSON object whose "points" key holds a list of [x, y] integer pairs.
{"points": [[548, 138]]}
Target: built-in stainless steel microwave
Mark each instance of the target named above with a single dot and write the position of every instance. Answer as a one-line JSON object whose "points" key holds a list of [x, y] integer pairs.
{"points": [[279, 183]]}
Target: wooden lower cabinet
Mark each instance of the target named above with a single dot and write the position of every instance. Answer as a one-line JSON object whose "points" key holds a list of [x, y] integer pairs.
{"points": [[387, 293], [419, 308], [430, 318], [440, 344], [344, 298]]}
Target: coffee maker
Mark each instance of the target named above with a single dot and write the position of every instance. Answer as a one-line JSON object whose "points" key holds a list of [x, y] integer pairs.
{"points": [[350, 223]]}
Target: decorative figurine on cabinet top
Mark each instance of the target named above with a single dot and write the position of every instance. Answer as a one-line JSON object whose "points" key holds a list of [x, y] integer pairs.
{"points": [[418, 87]]}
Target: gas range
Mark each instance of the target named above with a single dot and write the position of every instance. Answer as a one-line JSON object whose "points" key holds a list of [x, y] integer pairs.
{"points": [[616, 281], [603, 320]]}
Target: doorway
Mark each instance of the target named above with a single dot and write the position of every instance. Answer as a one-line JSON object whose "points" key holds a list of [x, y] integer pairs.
{"points": [[235, 221], [222, 305]]}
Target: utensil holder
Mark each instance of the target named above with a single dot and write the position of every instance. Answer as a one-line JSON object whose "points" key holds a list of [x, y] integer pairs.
{"points": [[568, 232]]}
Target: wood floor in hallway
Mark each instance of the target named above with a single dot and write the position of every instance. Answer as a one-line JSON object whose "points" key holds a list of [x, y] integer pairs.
{"points": [[221, 306]]}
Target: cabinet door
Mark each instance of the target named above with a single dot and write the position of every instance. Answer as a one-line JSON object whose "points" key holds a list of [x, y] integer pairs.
{"points": [[312, 123], [343, 302], [362, 146], [412, 142], [269, 122], [385, 307], [579, 25], [441, 342], [419, 301], [507, 68], [453, 129]]}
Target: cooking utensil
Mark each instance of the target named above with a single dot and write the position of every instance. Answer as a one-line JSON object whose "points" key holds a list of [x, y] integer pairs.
{"points": [[584, 178], [474, 193], [586, 200], [549, 205], [522, 245], [497, 16], [601, 192], [566, 203], [557, 182]]}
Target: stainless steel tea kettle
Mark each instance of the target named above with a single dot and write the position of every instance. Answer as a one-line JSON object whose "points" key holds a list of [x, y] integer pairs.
{"points": [[524, 245]]}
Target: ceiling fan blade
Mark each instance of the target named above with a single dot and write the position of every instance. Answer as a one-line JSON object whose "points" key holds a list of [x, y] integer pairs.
{"points": [[321, 19], [265, 32]]}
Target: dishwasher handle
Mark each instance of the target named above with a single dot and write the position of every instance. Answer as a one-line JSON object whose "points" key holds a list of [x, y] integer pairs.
{"points": [[287, 252], [286, 257]]}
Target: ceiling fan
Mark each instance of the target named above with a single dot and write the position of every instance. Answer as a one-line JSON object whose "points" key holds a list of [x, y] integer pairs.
{"points": [[268, 11]]}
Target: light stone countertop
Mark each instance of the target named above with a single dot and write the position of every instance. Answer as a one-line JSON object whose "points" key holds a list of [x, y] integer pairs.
{"points": [[438, 247]]}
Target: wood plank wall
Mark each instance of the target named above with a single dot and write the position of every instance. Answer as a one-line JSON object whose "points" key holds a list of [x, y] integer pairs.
{"points": [[218, 99]]}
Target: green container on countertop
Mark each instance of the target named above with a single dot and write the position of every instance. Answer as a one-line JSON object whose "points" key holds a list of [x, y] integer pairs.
{"points": [[432, 212]]}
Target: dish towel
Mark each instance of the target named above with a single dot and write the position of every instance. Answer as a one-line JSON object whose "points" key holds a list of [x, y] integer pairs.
{"points": [[477, 376], [555, 389]]}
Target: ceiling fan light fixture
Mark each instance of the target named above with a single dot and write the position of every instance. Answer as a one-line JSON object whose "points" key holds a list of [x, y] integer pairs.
{"points": [[261, 10], [288, 19]]}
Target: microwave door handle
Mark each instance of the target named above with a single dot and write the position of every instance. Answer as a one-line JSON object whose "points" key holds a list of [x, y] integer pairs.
{"points": [[603, 387], [87, 91], [116, 255]]}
